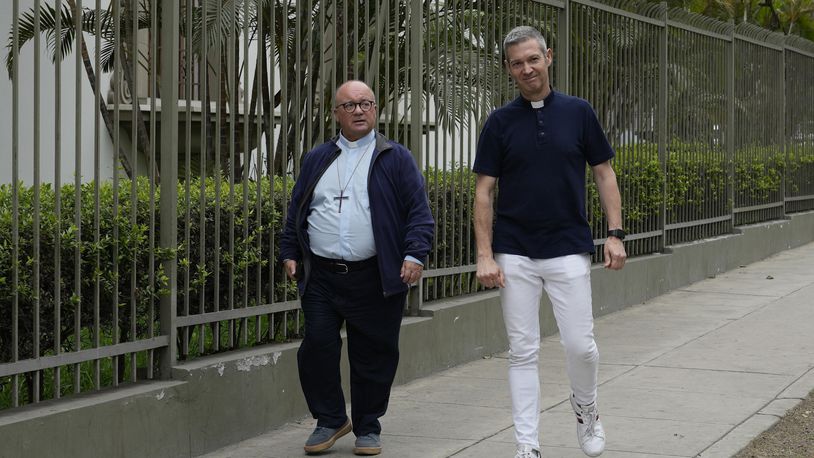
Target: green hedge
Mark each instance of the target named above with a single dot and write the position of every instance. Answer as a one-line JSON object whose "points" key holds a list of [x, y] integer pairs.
{"points": [[692, 182], [696, 183], [800, 173], [133, 254]]}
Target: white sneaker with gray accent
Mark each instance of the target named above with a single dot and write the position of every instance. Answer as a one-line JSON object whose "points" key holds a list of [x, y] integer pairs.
{"points": [[526, 451], [590, 434]]}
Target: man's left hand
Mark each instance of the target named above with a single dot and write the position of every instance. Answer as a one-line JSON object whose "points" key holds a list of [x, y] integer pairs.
{"points": [[411, 272], [615, 255]]}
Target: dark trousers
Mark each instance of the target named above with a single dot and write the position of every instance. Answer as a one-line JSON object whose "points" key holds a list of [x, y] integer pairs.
{"points": [[372, 322]]}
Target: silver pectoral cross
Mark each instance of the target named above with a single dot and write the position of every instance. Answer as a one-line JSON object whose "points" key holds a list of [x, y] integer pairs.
{"points": [[340, 198]]}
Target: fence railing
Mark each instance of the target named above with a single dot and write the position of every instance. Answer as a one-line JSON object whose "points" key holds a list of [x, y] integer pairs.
{"points": [[161, 244]]}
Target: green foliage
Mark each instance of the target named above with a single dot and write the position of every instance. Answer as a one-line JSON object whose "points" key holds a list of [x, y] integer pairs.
{"points": [[759, 176], [451, 194], [640, 178], [87, 371], [130, 282], [120, 264], [61, 236], [800, 174], [255, 239], [785, 16], [697, 182]]}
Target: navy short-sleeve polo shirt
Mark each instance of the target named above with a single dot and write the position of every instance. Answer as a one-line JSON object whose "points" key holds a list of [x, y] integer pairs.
{"points": [[538, 156]]}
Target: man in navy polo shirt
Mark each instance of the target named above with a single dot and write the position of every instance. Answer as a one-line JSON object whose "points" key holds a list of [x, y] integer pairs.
{"points": [[535, 148]]}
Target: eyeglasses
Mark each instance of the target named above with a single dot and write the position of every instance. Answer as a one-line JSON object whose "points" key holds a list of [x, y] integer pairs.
{"points": [[350, 107]]}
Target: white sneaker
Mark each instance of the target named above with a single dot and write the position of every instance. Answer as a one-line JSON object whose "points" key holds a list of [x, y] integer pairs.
{"points": [[526, 451], [590, 434]]}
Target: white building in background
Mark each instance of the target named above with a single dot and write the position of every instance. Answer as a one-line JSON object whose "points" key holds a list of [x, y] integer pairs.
{"points": [[49, 131]]}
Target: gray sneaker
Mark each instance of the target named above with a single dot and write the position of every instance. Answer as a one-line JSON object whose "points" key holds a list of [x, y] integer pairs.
{"points": [[369, 444], [323, 438]]}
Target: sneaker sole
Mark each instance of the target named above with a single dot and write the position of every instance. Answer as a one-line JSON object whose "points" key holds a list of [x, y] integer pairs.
{"points": [[321, 447], [367, 450]]}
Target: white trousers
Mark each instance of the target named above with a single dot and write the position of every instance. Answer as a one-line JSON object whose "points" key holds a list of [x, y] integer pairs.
{"points": [[567, 281]]}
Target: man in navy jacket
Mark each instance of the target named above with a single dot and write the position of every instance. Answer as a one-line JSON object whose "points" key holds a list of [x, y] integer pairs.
{"points": [[357, 234]]}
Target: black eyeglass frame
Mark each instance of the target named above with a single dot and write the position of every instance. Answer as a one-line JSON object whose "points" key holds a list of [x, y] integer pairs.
{"points": [[350, 107]]}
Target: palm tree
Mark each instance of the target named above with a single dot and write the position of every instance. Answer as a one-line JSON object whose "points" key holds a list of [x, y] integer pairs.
{"points": [[61, 46], [315, 44], [787, 16], [797, 17], [369, 40]]}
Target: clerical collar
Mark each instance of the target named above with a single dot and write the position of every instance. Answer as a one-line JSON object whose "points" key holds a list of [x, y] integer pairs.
{"points": [[364, 141], [537, 104]]}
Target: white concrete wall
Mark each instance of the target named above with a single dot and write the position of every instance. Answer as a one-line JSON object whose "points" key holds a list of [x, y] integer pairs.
{"points": [[49, 131]]}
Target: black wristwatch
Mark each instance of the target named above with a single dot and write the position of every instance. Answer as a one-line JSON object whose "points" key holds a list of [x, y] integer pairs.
{"points": [[618, 233]]}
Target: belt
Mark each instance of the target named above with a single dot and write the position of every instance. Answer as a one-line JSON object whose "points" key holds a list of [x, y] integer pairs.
{"points": [[340, 266]]}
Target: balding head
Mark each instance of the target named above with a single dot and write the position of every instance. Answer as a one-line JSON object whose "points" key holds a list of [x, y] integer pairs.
{"points": [[356, 123], [354, 87]]}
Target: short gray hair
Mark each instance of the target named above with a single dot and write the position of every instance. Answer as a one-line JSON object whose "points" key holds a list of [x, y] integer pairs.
{"points": [[521, 34]]}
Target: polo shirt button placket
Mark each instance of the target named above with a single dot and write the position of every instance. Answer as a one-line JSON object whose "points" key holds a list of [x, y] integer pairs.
{"points": [[540, 137], [540, 126]]}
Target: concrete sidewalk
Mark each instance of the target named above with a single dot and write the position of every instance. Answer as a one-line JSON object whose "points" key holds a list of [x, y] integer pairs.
{"points": [[699, 371]]}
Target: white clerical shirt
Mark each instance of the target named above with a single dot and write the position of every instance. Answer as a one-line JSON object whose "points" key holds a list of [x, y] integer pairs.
{"points": [[345, 234]]}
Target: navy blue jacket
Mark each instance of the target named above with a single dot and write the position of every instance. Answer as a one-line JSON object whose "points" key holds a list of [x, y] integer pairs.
{"points": [[399, 211]]}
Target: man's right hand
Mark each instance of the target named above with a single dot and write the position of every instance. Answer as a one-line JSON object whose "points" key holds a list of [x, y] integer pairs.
{"points": [[489, 273], [290, 268]]}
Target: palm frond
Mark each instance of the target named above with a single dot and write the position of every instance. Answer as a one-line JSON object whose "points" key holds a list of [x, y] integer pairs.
{"points": [[26, 25], [220, 23], [107, 56], [67, 37]]}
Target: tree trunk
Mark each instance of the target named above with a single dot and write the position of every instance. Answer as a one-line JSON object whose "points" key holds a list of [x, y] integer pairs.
{"points": [[255, 92], [268, 116], [108, 120], [775, 23], [223, 134], [142, 138]]}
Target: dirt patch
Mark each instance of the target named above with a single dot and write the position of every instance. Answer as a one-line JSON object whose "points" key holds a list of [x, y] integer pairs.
{"points": [[792, 436]]}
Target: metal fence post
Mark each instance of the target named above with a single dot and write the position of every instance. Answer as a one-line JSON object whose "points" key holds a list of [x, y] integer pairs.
{"points": [[564, 46], [784, 126], [15, 199], [169, 177], [730, 123], [415, 294], [662, 123]]}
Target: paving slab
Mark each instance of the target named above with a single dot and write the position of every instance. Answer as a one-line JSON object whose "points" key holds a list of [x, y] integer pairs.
{"points": [[779, 407], [691, 381], [701, 408], [460, 390], [776, 339], [750, 283], [625, 435], [801, 387], [444, 421], [739, 437]]}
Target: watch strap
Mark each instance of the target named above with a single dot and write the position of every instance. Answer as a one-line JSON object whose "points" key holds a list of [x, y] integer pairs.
{"points": [[618, 233]]}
